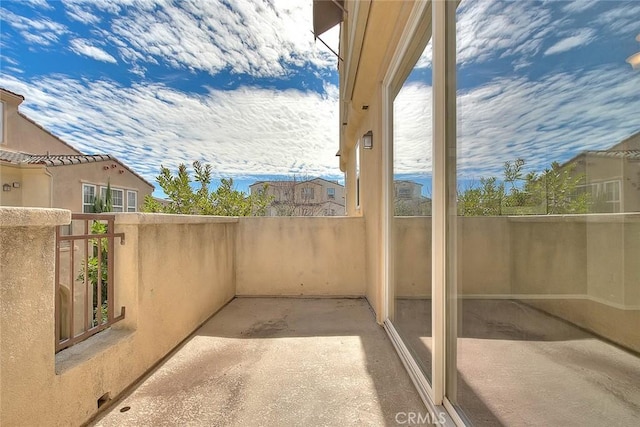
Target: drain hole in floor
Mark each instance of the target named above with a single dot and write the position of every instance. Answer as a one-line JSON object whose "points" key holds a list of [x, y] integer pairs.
{"points": [[125, 408]]}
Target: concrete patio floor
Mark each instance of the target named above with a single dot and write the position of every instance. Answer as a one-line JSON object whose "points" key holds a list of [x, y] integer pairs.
{"points": [[518, 366], [276, 362]]}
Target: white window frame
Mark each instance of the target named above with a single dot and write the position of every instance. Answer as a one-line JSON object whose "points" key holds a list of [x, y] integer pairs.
{"points": [[307, 193], [134, 208], [115, 207], [442, 22], [87, 204], [617, 188]]}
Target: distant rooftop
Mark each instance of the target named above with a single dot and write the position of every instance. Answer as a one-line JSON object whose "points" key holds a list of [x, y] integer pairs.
{"points": [[622, 154], [51, 160]]}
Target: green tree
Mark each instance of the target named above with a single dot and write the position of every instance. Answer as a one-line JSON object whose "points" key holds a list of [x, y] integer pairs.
{"points": [[96, 266], [558, 190], [184, 199], [554, 191], [101, 205], [483, 200]]}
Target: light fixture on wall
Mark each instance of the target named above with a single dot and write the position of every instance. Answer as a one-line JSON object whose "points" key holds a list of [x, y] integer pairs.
{"points": [[367, 139], [16, 185], [6, 187]]}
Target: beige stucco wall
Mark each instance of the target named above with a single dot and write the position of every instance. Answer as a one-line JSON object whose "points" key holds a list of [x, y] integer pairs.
{"points": [[300, 256], [172, 274], [599, 169], [68, 180], [583, 268], [34, 185], [23, 135], [362, 112], [174, 271]]}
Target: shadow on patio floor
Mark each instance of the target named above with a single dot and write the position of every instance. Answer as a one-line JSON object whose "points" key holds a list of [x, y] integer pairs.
{"points": [[276, 362]]}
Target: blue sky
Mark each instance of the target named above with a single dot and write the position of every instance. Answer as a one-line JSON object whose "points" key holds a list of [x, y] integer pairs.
{"points": [[238, 84], [242, 85], [540, 80]]}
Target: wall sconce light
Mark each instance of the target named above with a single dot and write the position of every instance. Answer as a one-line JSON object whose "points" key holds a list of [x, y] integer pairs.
{"points": [[367, 140], [16, 185], [634, 60], [6, 187]]}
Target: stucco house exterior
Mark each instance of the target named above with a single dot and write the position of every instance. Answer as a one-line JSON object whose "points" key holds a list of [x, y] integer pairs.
{"points": [[408, 199], [612, 176], [309, 197], [38, 169]]}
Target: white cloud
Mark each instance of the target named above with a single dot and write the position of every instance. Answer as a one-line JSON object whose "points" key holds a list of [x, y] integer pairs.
{"points": [[578, 38], [39, 3], [487, 30], [42, 31], [260, 38], [80, 10], [577, 6], [412, 130], [621, 20], [83, 47], [542, 121], [241, 132], [518, 30]]}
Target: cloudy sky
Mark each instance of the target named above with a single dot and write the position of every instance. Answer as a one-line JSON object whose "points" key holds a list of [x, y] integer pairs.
{"points": [[241, 84], [538, 80]]}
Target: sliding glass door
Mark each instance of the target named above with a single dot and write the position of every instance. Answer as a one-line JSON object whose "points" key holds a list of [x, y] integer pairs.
{"points": [[548, 327], [514, 232], [411, 225]]}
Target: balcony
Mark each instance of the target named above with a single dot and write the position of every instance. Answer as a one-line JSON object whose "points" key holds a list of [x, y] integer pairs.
{"points": [[271, 319], [277, 361]]}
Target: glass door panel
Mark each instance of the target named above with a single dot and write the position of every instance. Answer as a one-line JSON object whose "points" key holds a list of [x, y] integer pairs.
{"points": [[548, 232], [411, 224]]}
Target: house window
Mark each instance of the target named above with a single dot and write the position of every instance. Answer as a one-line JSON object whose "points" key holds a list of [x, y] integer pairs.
{"points": [[88, 197], [117, 198], [132, 201], [331, 193], [612, 195], [307, 193]]}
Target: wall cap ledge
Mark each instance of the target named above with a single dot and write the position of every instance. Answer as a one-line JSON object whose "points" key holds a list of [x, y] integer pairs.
{"points": [[138, 218], [33, 217]]}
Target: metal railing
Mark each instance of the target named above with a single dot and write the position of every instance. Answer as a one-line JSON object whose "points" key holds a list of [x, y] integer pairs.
{"points": [[85, 280]]}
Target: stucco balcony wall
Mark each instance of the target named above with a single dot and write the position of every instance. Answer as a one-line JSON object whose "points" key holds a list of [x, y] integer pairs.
{"points": [[172, 274], [300, 256], [581, 268]]}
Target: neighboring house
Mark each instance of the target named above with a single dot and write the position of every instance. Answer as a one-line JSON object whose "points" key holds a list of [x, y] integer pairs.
{"points": [[612, 176], [39, 169], [313, 197], [408, 199]]}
